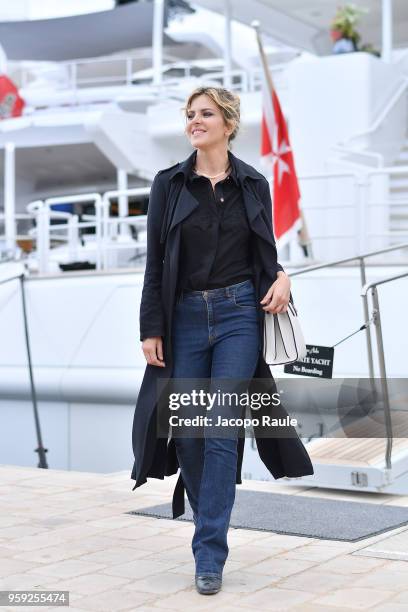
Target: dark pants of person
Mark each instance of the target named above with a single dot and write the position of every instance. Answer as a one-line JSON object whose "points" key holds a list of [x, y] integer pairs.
{"points": [[215, 335]]}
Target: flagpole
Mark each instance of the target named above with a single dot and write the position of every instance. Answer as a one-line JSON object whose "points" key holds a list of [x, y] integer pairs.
{"points": [[303, 234], [304, 238], [257, 27]]}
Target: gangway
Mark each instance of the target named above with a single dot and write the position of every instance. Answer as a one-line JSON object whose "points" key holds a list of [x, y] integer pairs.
{"points": [[353, 459]]}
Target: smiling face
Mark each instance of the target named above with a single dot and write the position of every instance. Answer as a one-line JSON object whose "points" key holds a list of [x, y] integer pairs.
{"points": [[205, 124]]}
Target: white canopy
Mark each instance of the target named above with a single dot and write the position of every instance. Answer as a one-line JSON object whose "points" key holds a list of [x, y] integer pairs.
{"points": [[80, 36]]}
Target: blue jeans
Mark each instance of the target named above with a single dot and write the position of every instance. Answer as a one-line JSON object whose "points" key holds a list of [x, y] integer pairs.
{"points": [[215, 335]]}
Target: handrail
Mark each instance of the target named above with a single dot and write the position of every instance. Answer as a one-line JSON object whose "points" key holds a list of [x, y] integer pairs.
{"points": [[381, 357], [126, 78], [377, 322], [347, 259], [42, 458], [343, 148], [361, 259], [382, 282]]}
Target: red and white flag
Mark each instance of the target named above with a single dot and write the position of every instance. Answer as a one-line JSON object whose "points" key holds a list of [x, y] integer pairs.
{"points": [[11, 103], [276, 154]]}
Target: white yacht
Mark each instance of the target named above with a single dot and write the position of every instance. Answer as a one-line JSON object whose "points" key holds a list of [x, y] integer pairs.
{"points": [[103, 113]]}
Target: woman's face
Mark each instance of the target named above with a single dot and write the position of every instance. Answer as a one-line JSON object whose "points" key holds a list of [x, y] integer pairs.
{"points": [[205, 126]]}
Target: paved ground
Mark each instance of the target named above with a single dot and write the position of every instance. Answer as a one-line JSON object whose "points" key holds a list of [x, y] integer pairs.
{"points": [[69, 530]]}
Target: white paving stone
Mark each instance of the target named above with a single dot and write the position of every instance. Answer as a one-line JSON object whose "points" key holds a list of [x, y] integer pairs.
{"points": [[355, 598], [73, 531], [275, 598]]}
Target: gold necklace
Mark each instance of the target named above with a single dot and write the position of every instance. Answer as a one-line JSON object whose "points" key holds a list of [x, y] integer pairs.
{"points": [[212, 177]]}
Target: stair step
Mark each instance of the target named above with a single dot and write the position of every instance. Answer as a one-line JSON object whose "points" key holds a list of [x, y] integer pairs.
{"points": [[399, 222], [399, 211], [399, 191], [396, 182], [398, 230]]}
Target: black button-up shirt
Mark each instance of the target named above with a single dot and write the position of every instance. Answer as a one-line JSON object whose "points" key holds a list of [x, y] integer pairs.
{"points": [[215, 237]]}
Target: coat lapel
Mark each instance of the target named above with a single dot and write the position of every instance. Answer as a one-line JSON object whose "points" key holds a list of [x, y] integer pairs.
{"points": [[249, 179], [256, 216], [185, 202]]}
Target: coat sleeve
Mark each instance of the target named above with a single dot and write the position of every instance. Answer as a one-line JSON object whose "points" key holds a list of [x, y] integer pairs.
{"points": [[267, 201], [151, 310]]}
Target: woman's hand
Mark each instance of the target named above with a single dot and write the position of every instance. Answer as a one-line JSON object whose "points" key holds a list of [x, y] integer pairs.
{"points": [[276, 299], [153, 351]]}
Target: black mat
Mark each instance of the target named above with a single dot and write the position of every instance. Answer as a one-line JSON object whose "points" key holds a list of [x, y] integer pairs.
{"points": [[312, 517]]}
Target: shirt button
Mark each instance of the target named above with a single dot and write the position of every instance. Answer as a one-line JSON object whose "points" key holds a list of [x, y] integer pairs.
{"points": [[221, 199]]}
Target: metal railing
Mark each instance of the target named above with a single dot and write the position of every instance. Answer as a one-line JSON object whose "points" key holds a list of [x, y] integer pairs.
{"points": [[365, 287], [362, 184], [123, 72], [42, 458], [381, 358], [359, 195], [43, 212], [107, 229]]}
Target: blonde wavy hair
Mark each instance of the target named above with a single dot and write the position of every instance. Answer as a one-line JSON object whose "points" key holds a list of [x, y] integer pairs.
{"points": [[228, 103]]}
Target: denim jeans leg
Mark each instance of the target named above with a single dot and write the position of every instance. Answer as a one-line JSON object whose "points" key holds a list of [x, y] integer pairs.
{"points": [[235, 356], [190, 453], [191, 359]]}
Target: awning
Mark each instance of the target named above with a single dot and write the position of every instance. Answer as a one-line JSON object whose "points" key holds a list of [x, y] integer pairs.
{"points": [[81, 36]]}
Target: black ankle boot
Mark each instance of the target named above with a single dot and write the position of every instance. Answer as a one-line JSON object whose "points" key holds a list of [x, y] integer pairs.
{"points": [[208, 584]]}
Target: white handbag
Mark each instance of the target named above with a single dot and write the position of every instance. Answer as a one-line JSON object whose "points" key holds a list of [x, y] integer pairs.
{"points": [[283, 337]]}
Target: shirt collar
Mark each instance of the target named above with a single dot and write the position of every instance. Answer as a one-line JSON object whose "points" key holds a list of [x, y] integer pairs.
{"points": [[192, 176], [241, 168]]}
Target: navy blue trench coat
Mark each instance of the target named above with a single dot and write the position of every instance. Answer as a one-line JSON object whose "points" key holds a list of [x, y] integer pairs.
{"points": [[170, 203]]}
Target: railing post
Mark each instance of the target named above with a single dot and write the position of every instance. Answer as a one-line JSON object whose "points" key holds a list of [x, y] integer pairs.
{"points": [[42, 458], [10, 195], [361, 211], [387, 30], [227, 80], [99, 231], [123, 201], [157, 42], [73, 237], [383, 374], [43, 237], [366, 317]]}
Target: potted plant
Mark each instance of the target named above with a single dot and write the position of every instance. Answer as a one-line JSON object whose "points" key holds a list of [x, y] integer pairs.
{"points": [[343, 27]]}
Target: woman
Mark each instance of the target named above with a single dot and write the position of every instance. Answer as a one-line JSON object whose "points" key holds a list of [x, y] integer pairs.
{"points": [[211, 274]]}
